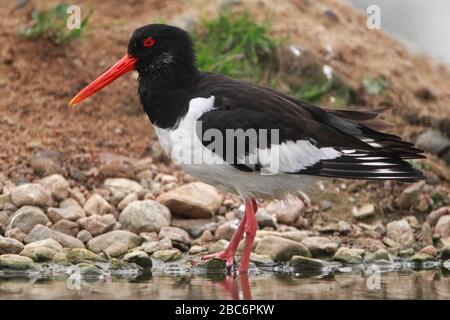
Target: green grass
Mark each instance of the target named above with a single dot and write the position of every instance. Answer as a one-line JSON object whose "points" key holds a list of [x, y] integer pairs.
{"points": [[234, 44], [52, 23]]}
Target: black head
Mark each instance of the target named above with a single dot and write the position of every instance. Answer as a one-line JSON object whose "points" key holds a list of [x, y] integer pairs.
{"points": [[162, 51]]}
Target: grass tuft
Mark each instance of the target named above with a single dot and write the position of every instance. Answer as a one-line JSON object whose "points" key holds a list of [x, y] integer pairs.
{"points": [[234, 44], [52, 23]]}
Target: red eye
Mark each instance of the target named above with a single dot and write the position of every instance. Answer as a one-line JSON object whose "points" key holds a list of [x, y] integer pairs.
{"points": [[148, 42]]}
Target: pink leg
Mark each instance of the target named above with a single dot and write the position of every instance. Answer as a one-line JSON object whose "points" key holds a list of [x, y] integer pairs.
{"points": [[229, 253], [251, 206]]}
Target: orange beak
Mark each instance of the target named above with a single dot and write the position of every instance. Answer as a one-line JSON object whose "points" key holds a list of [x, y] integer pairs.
{"points": [[124, 65]]}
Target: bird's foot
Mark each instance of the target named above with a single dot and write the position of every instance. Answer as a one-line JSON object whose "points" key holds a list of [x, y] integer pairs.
{"points": [[222, 255]]}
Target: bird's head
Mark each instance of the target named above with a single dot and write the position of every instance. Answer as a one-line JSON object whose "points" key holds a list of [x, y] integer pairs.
{"points": [[155, 51]]}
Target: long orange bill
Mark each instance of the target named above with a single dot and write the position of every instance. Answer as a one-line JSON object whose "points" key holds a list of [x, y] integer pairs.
{"points": [[124, 65]]}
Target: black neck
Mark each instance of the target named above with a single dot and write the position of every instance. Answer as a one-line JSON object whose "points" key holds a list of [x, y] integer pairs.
{"points": [[166, 99]]}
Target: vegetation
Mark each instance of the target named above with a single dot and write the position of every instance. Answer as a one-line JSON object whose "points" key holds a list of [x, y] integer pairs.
{"points": [[52, 23], [234, 45]]}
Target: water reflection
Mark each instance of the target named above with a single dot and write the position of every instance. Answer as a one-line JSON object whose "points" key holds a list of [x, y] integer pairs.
{"points": [[424, 284]]}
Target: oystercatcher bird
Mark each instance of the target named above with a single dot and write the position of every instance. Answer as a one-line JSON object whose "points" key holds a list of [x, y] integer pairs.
{"points": [[288, 143]]}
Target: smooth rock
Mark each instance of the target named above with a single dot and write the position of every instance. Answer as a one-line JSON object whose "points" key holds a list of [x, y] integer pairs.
{"points": [[265, 219], [281, 249], [286, 211], [445, 250], [145, 216], [442, 229], [4, 199], [121, 187], [401, 232], [151, 247], [78, 196], [31, 194], [88, 270], [116, 250], [102, 242], [434, 216], [15, 233], [227, 229], [410, 196], [140, 258], [429, 250], [366, 211], [16, 262], [380, 254], [97, 224], [320, 246], [180, 239], [426, 234], [10, 246], [68, 209], [61, 259], [212, 265], [84, 236], [421, 257], [262, 261], [41, 251], [349, 255], [118, 266], [193, 200], [57, 185], [195, 227], [68, 227], [79, 255], [167, 255], [300, 262], [41, 232], [435, 142], [97, 205], [406, 253], [27, 217], [127, 200]]}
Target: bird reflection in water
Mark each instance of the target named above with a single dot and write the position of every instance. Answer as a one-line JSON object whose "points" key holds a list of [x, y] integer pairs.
{"points": [[235, 284]]}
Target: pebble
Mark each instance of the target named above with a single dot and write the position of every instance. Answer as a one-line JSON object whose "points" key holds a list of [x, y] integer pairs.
{"points": [[31, 194], [262, 261], [206, 237], [195, 227], [10, 246], [429, 250], [167, 255], [445, 250], [410, 196], [286, 211], [227, 229], [79, 255], [78, 196], [151, 247], [104, 241], [121, 187], [57, 185], [434, 216], [27, 217], [180, 239], [66, 226], [421, 257], [281, 249], [442, 229], [305, 263], [193, 200], [97, 225], [127, 200], [41, 251], [349, 255], [41, 232], [68, 209], [140, 258], [212, 265], [84, 236], [145, 216], [96, 205], [406, 253], [320, 246], [16, 262], [266, 220], [364, 212], [401, 232], [15, 233]]}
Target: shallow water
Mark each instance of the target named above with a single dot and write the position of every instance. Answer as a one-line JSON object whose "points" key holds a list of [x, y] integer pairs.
{"points": [[343, 284]]}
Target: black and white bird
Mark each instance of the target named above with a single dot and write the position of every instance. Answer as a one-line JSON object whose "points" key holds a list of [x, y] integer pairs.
{"points": [[194, 113]]}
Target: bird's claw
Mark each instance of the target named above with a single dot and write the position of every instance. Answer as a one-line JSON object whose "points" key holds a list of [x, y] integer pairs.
{"points": [[222, 255]]}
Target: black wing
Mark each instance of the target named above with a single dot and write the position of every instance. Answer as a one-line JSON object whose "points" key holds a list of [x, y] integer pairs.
{"points": [[365, 152]]}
